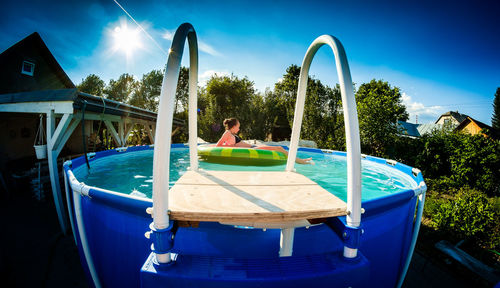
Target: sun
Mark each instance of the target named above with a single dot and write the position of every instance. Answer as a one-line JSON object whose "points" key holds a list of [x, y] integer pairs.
{"points": [[126, 39]]}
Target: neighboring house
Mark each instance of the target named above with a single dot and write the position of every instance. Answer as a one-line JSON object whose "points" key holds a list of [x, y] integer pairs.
{"points": [[472, 126], [417, 130], [28, 65], [451, 118], [35, 91]]}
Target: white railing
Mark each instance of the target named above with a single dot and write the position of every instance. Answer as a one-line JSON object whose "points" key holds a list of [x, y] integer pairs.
{"points": [[163, 135], [351, 127]]}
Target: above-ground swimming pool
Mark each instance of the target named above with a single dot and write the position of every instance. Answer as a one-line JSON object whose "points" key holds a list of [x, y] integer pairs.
{"points": [[109, 220], [259, 229]]}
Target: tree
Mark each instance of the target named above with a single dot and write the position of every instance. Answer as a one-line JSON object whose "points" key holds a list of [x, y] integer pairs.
{"points": [[379, 108], [92, 84], [495, 120], [225, 97], [122, 89], [182, 92], [181, 104], [322, 120], [148, 92]]}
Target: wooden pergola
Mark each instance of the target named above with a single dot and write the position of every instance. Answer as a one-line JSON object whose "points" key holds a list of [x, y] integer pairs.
{"points": [[68, 106]]}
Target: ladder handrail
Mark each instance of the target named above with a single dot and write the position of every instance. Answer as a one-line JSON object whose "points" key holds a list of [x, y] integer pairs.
{"points": [[351, 126], [163, 135]]}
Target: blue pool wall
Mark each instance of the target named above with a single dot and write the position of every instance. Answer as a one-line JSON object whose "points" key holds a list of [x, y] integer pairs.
{"points": [[115, 225]]}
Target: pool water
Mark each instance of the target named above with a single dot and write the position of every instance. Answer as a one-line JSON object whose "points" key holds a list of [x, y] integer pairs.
{"points": [[132, 173]]}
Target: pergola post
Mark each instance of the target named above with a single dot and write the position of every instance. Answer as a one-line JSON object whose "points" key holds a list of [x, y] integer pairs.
{"points": [[56, 138], [128, 130], [121, 132], [150, 133], [112, 129]]}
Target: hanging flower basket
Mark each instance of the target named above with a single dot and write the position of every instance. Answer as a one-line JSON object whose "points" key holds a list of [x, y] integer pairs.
{"points": [[41, 151], [40, 143]]}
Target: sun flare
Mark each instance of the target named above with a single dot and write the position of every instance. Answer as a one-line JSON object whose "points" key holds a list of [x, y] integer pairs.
{"points": [[126, 40]]}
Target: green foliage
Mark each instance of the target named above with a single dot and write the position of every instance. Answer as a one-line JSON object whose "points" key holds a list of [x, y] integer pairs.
{"points": [[456, 160], [230, 96], [322, 122], [182, 92], [122, 89], [476, 162], [468, 215], [379, 108], [434, 154], [495, 119], [92, 84], [147, 92]]}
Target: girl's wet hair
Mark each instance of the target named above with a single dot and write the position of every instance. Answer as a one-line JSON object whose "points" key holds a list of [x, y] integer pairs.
{"points": [[230, 122]]}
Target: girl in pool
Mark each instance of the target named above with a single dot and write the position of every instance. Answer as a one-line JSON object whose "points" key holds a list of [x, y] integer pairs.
{"points": [[230, 138]]}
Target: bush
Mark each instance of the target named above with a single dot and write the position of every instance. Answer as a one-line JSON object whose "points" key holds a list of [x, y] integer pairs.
{"points": [[469, 214], [475, 161], [453, 160]]}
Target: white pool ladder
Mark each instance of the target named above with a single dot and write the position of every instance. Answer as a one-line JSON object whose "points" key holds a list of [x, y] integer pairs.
{"points": [[351, 127], [163, 135], [165, 118]]}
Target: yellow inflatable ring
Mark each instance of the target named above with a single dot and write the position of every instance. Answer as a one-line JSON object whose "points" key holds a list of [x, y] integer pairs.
{"points": [[241, 156]]}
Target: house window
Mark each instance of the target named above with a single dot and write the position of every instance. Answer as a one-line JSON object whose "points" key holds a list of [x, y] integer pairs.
{"points": [[28, 68]]}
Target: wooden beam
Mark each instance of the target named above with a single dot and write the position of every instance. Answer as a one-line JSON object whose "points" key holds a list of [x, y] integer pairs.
{"points": [[121, 128], [150, 133], [55, 139], [67, 134], [99, 117], [111, 128], [153, 129], [128, 131], [59, 107]]}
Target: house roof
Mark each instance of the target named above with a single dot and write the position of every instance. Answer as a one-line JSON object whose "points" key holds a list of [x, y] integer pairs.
{"points": [[469, 120], [458, 116], [93, 103], [428, 128], [409, 129], [417, 130], [34, 41]]}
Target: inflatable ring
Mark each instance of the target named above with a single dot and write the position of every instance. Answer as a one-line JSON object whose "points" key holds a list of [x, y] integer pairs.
{"points": [[241, 156]]}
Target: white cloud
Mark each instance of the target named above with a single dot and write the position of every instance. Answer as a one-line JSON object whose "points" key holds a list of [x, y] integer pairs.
{"points": [[168, 35], [425, 113], [207, 49]]}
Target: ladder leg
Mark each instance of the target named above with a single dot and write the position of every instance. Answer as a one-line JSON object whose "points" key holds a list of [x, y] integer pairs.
{"points": [[286, 242]]}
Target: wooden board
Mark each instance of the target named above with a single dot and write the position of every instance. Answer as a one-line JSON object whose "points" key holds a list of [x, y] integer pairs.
{"points": [[250, 197]]}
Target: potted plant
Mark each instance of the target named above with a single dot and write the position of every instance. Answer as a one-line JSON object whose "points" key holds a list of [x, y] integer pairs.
{"points": [[40, 141]]}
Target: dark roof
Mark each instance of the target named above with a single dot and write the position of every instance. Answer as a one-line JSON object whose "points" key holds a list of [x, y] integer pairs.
{"points": [[409, 129], [459, 117], [93, 103], [470, 119], [33, 44]]}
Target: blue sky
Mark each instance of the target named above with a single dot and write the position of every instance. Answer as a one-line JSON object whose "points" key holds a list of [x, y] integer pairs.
{"points": [[443, 55]]}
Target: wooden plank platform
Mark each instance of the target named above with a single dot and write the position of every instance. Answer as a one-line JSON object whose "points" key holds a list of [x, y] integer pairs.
{"points": [[251, 197]]}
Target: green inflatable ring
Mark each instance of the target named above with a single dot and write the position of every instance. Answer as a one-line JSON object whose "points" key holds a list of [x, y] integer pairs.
{"points": [[241, 156]]}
